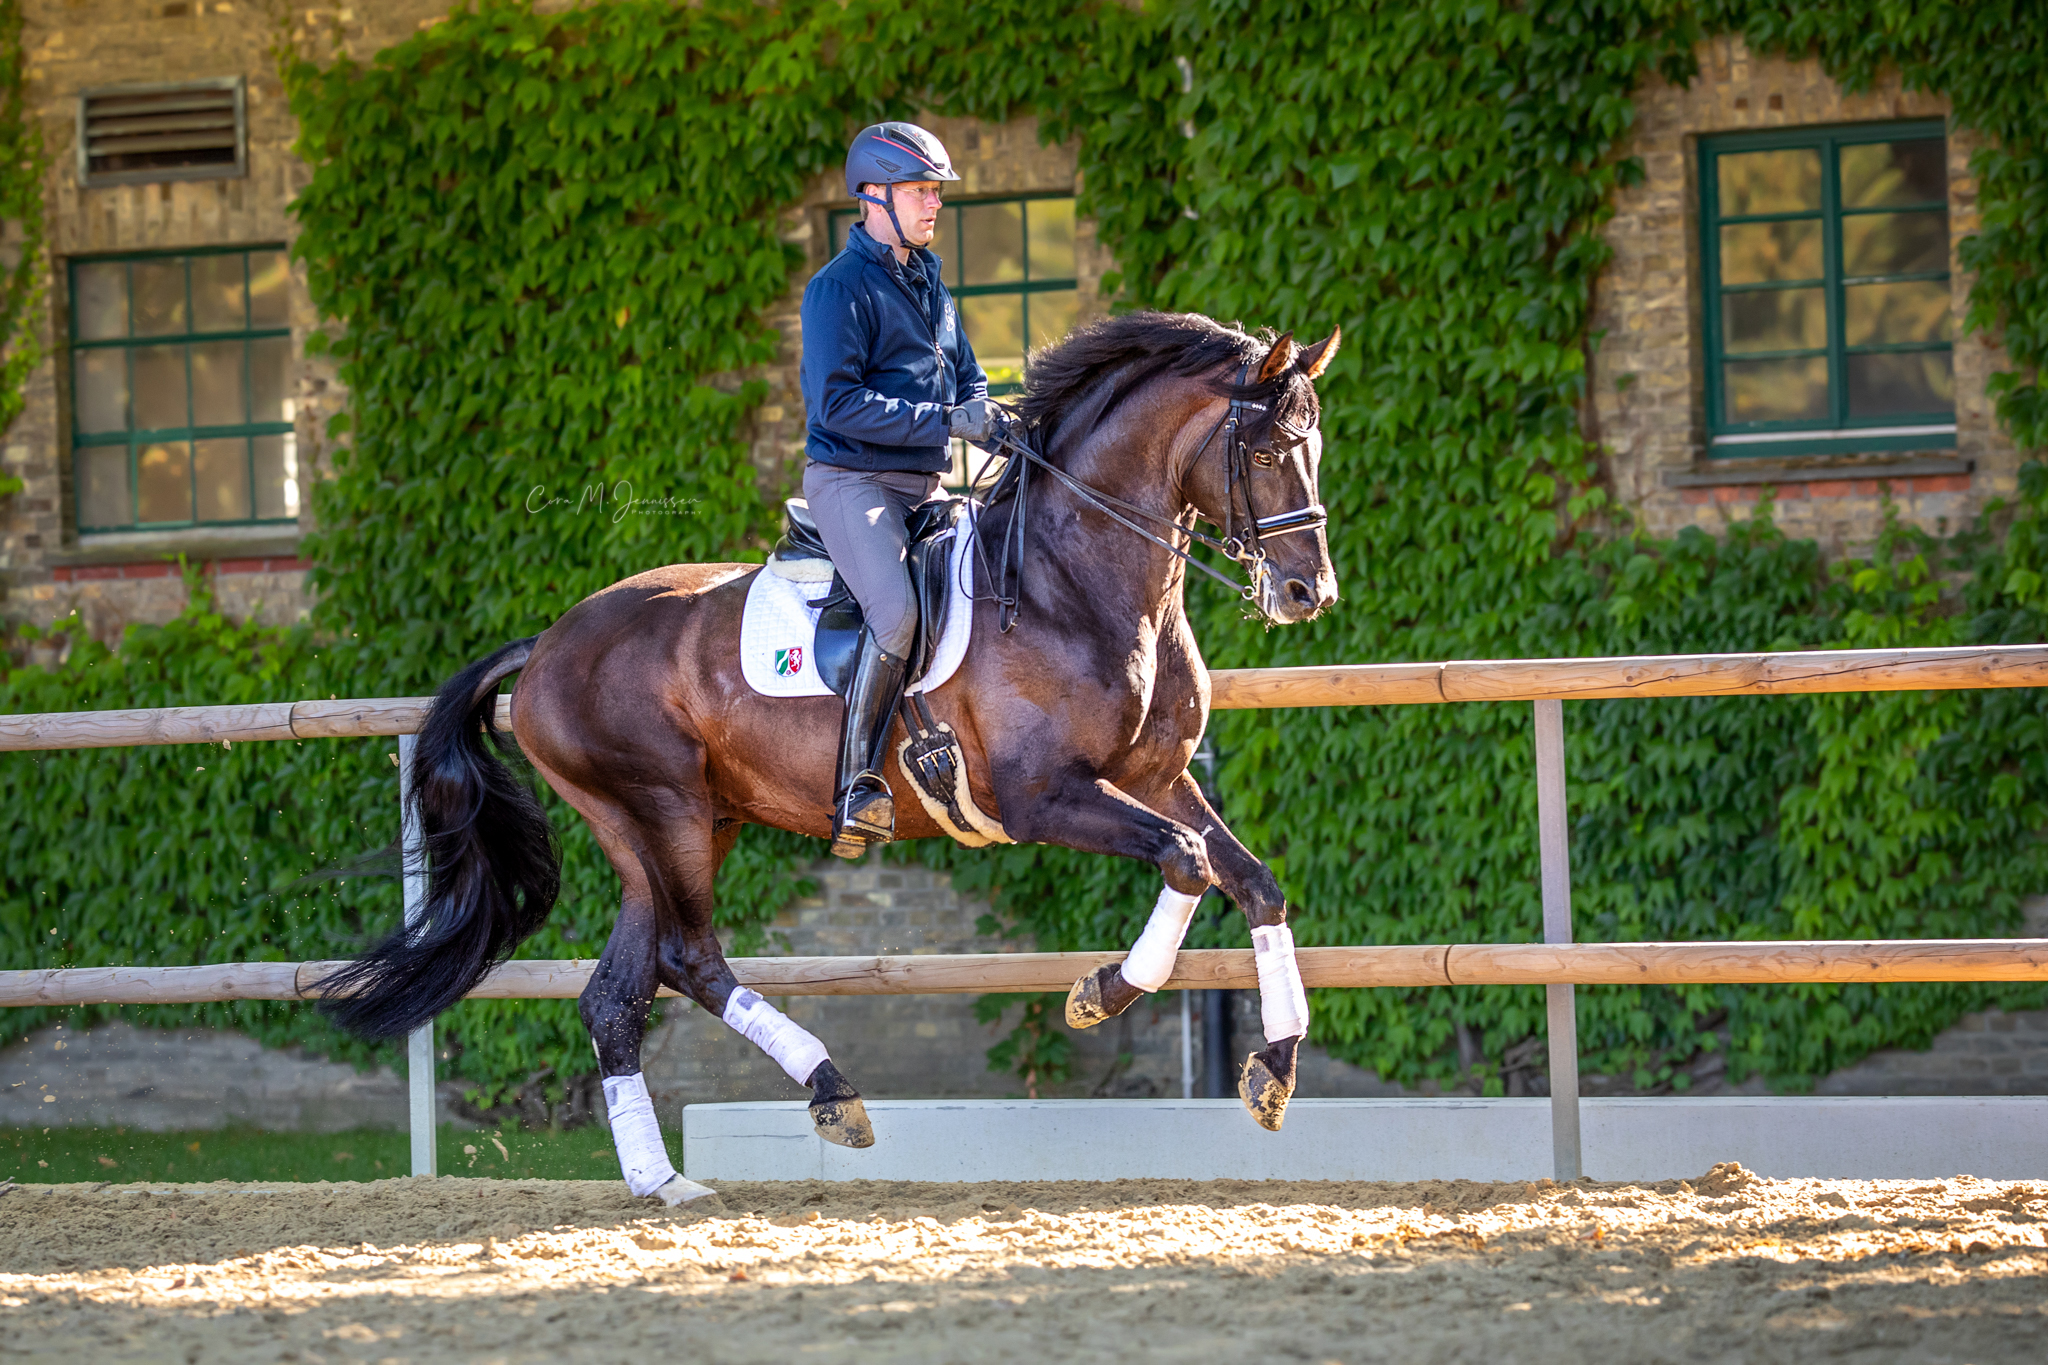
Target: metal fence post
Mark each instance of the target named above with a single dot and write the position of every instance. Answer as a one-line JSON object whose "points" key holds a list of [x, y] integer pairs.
{"points": [[1553, 839], [419, 1044]]}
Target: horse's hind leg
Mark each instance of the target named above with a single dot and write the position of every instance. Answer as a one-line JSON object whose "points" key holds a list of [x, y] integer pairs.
{"points": [[689, 854], [696, 962]]}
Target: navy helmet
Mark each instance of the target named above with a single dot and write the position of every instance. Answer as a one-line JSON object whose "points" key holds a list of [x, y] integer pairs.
{"points": [[894, 154]]}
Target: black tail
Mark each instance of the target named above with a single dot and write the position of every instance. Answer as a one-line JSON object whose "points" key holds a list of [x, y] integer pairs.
{"points": [[493, 870]]}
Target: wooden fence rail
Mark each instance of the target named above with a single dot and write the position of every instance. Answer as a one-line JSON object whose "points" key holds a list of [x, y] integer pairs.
{"points": [[1655, 675], [1457, 964]]}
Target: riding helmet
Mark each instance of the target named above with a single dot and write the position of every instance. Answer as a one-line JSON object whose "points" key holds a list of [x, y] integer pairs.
{"points": [[895, 154]]}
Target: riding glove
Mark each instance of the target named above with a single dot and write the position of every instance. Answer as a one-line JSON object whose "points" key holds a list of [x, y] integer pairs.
{"points": [[971, 421]]}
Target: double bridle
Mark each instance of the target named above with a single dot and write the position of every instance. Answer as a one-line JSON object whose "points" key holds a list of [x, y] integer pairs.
{"points": [[1243, 547]]}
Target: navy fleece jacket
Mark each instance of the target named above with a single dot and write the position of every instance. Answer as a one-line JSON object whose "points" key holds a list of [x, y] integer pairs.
{"points": [[884, 357]]}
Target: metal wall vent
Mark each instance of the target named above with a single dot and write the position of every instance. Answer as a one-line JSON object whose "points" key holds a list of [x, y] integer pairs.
{"points": [[196, 130]]}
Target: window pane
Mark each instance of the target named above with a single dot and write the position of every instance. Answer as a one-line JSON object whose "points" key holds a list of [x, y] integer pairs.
{"points": [[100, 306], [270, 366], [102, 478], [1917, 382], [1895, 243], [1777, 390], [1052, 238], [159, 387], [1754, 252], [1783, 181], [995, 324], [217, 303], [217, 384], [277, 476], [221, 469], [992, 243], [1880, 174], [270, 279], [1775, 320], [1881, 314], [159, 296], [1052, 316], [100, 393], [163, 477]]}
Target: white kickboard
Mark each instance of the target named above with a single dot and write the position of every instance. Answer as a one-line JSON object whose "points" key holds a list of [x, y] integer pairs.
{"points": [[778, 626]]}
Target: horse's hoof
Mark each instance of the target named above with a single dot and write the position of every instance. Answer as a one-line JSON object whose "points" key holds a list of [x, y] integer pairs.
{"points": [[1264, 1090], [1102, 994], [678, 1191], [843, 1121]]}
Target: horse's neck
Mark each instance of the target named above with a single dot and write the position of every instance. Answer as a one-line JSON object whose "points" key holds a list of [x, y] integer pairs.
{"points": [[1109, 581]]}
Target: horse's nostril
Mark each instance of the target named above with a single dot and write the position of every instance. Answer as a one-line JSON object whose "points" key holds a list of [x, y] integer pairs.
{"points": [[1300, 592]]}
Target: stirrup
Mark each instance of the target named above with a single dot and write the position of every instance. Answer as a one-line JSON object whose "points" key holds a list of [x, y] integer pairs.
{"points": [[864, 814]]}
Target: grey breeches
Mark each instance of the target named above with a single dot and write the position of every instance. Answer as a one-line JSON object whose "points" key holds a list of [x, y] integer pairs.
{"points": [[861, 514]]}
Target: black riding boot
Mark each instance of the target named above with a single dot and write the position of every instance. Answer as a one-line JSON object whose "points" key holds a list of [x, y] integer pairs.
{"points": [[863, 807]]}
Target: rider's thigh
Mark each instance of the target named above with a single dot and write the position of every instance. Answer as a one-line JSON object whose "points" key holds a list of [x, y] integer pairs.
{"points": [[860, 515]]}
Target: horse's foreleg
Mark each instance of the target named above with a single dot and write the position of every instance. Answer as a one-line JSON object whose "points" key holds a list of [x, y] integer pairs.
{"points": [[614, 1007], [1267, 1080], [1268, 1076]]}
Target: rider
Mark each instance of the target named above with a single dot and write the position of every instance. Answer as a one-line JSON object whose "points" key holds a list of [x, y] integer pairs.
{"points": [[888, 377]]}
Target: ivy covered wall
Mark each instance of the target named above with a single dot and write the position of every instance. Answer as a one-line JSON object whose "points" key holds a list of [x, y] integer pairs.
{"points": [[540, 236]]}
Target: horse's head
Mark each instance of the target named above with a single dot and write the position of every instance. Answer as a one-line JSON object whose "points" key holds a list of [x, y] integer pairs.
{"points": [[1256, 480]]}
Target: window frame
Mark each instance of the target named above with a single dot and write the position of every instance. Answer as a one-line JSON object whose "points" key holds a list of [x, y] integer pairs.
{"points": [[136, 437], [239, 169], [840, 218], [1838, 433]]}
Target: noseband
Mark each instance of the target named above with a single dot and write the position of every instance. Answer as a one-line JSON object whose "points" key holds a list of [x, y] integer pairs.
{"points": [[1241, 545]]}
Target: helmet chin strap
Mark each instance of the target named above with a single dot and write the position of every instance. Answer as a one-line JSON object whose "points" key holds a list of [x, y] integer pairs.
{"points": [[888, 205]]}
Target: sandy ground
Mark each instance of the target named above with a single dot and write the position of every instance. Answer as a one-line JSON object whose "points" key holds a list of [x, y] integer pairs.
{"points": [[1728, 1267]]}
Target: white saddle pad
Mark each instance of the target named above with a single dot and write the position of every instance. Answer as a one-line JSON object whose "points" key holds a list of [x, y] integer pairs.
{"points": [[778, 625]]}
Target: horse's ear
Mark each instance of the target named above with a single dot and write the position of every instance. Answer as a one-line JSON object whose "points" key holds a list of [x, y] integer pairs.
{"points": [[1278, 359], [1317, 358]]}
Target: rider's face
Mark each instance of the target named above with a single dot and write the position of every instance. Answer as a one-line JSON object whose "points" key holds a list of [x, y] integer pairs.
{"points": [[917, 208]]}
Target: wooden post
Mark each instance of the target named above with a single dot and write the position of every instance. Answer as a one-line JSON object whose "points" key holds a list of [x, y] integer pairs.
{"points": [[419, 1044], [1553, 839]]}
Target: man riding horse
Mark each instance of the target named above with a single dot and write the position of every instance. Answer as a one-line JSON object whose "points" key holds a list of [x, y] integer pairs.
{"points": [[888, 377], [1074, 729]]}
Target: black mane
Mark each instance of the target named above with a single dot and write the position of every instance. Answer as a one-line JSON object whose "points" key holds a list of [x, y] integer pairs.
{"points": [[1139, 347]]}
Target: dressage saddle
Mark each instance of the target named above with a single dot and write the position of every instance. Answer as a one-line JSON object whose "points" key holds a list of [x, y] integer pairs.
{"points": [[931, 529]]}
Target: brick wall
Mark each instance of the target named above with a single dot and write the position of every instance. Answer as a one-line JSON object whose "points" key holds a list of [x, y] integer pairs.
{"points": [[1647, 379], [46, 571]]}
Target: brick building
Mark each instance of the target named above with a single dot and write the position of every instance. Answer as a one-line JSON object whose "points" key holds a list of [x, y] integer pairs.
{"points": [[1782, 310]]}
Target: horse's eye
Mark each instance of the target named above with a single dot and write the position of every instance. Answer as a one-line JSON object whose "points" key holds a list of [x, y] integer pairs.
{"points": [[1263, 458]]}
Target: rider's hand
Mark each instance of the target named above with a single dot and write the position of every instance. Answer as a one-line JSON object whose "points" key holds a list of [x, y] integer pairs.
{"points": [[971, 421]]}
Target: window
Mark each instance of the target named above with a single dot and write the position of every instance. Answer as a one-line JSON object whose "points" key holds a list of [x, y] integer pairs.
{"points": [[180, 369], [1829, 324], [136, 133], [1010, 266]]}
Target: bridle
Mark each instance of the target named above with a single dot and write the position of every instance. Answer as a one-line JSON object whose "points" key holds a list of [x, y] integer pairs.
{"points": [[1244, 546]]}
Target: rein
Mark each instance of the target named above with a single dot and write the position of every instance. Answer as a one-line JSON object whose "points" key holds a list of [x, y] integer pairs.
{"points": [[1244, 549]]}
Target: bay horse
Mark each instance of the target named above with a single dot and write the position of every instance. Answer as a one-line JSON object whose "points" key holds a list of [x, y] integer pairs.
{"points": [[1077, 725]]}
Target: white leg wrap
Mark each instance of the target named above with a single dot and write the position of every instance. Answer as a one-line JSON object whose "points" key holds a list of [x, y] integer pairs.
{"points": [[643, 1157], [1151, 960], [793, 1047], [1283, 1004]]}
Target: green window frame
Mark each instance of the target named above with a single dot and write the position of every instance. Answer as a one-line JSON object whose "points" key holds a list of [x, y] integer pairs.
{"points": [[1826, 271], [180, 369], [1012, 268]]}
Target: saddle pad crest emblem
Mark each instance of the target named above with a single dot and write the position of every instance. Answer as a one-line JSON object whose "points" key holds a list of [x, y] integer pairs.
{"points": [[789, 661]]}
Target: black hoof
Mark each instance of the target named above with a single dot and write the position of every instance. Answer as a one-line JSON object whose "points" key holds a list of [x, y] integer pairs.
{"points": [[1102, 994], [836, 1109], [1268, 1082]]}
